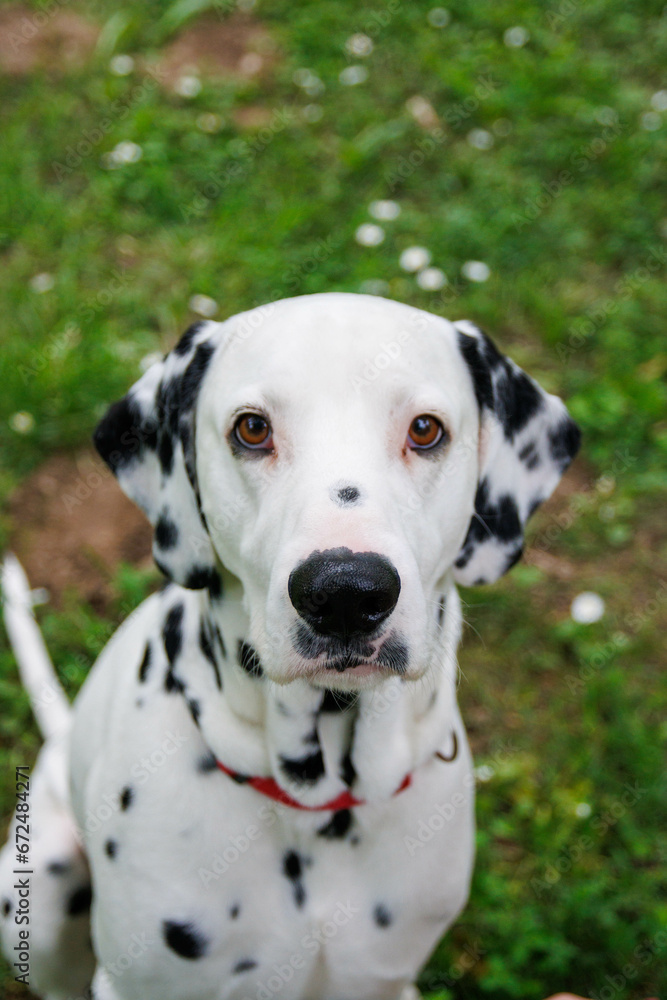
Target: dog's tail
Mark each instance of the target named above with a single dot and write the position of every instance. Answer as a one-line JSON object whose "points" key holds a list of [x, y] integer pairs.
{"points": [[47, 698]]}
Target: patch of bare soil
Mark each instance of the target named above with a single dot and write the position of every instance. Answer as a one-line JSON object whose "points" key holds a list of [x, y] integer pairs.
{"points": [[53, 39], [72, 526], [238, 46]]}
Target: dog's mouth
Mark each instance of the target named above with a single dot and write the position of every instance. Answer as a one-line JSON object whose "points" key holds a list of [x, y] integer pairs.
{"points": [[353, 658]]}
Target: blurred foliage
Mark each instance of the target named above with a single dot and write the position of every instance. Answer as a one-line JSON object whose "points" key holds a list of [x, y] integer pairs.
{"points": [[546, 162]]}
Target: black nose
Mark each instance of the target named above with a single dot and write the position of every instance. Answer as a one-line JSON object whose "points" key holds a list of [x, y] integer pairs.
{"points": [[343, 593]]}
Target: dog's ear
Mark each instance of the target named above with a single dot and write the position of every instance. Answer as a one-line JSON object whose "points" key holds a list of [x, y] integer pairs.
{"points": [[527, 441], [148, 441]]}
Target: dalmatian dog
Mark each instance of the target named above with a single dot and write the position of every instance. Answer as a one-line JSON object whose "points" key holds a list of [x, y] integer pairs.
{"points": [[264, 788]]}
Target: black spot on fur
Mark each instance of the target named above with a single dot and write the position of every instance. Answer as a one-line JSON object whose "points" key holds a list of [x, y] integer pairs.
{"points": [[479, 370], [234, 911], [499, 520], [185, 343], [193, 374], [221, 641], [248, 659], [245, 965], [207, 763], [195, 710], [165, 451], [338, 826], [207, 649], [347, 771], [304, 770], [348, 495], [79, 902], [126, 797], [529, 456], [337, 701], [564, 443], [293, 870], [393, 653], [511, 394], [111, 848], [204, 577], [145, 663], [184, 939], [382, 916], [166, 532], [172, 633], [58, 867], [6, 907], [124, 434]]}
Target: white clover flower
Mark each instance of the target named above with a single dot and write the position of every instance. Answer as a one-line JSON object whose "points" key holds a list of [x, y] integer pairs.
{"points": [[476, 270], [651, 121], [659, 100], [515, 38], [43, 282], [438, 17], [125, 152], [188, 86], [209, 122], [121, 65], [484, 772], [480, 138], [359, 45], [422, 111], [203, 305], [374, 286], [308, 81], [385, 210], [587, 607], [414, 259], [606, 115], [22, 422], [149, 360], [352, 75], [251, 63], [582, 810], [369, 235], [431, 279], [312, 113]]}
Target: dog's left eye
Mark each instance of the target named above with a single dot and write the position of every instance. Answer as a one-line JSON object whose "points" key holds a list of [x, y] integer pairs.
{"points": [[425, 432], [253, 431]]}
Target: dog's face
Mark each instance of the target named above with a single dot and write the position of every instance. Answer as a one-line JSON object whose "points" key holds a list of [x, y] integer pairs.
{"points": [[339, 454]]}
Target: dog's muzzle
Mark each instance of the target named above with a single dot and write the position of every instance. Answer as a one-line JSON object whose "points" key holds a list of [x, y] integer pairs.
{"points": [[343, 594]]}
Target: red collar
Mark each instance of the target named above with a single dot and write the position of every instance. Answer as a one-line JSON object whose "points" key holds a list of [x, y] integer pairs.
{"points": [[271, 788]]}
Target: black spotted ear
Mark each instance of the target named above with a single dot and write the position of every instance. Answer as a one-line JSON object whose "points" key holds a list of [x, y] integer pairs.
{"points": [[148, 441], [527, 441]]}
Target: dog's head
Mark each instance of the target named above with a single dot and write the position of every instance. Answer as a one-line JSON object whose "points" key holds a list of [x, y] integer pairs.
{"points": [[341, 455]]}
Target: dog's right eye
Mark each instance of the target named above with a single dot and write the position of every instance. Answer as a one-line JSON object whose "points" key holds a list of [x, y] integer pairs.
{"points": [[253, 431]]}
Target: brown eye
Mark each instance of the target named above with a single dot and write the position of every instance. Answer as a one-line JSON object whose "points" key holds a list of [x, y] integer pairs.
{"points": [[253, 431], [425, 432]]}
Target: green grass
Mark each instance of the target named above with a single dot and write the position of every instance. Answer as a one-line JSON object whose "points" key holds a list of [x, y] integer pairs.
{"points": [[567, 209]]}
